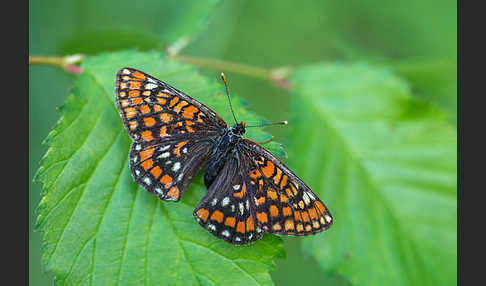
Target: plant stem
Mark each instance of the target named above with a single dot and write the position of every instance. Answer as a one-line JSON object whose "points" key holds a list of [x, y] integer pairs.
{"points": [[224, 65], [67, 62], [277, 76]]}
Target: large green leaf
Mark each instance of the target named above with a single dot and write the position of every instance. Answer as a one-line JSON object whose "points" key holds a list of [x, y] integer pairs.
{"points": [[100, 227], [384, 162]]}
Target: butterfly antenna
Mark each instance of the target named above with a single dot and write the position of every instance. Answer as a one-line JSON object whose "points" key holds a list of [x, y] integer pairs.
{"points": [[285, 122], [227, 94]]}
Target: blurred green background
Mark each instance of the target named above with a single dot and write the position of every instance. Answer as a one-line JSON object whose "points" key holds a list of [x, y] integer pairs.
{"points": [[416, 38]]}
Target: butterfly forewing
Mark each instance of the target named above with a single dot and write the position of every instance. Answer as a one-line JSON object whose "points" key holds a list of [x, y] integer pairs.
{"points": [[283, 203], [152, 109]]}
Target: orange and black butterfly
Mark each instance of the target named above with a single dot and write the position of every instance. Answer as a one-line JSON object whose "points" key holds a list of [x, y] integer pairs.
{"points": [[249, 190]]}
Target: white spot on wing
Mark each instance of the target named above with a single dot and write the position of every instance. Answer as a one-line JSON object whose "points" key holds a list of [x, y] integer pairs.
{"points": [[176, 166], [164, 148], [147, 181], [225, 233], [214, 202], [242, 208], [150, 86], [125, 71], [225, 201], [328, 218], [164, 155], [236, 187]]}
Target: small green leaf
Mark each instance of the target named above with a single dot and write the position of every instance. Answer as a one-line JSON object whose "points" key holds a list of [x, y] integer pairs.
{"points": [[100, 227], [384, 163], [151, 25]]}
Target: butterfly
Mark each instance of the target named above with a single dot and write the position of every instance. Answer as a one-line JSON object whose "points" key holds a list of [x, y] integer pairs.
{"points": [[250, 191]]}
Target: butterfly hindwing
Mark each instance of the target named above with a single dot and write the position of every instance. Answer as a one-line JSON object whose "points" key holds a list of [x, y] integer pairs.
{"points": [[283, 203], [227, 209]]}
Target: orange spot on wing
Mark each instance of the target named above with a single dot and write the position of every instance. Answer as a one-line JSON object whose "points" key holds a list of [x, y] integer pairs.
{"points": [[162, 101], [283, 182], [297, 215], [161, 94], [217, 216], [166, 180], [165, 117], [230, 221], [262, 217], [173, 101], [294, 190], [179, 106], [124, 102], [320, 207], [300, 227], [289, 224], [273, 210], [138, 75], [255, 174], [173, 192], [241, 227], [277, 176], [260, 201], [145, 109], [147, 164], [283, 198], [287, 211], [145, 154], [137, 100], [135, 84], [272, 194], [313, 213], [189, 111], [147, 135], [249, 224], [276, 227], [133, 93], [130, 112], [305, 217], [289, 192], [149, 121], [157, 108], [156, 171], [203, 214], [163, 131], [268, 169], [177, 149]]}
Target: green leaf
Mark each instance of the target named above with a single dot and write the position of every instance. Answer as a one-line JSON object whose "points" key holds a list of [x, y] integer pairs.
{"points": [[100, 227], [117, 25], [384, 163]]}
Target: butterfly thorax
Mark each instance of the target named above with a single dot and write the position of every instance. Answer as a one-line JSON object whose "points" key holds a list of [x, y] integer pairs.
{"points": [[228, 139]]}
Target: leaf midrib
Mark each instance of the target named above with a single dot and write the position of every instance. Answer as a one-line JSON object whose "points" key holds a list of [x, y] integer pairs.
{"points": [[359, 160]]}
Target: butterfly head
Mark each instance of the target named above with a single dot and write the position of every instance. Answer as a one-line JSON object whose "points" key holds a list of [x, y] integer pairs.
{"points": [[239, 128]]}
